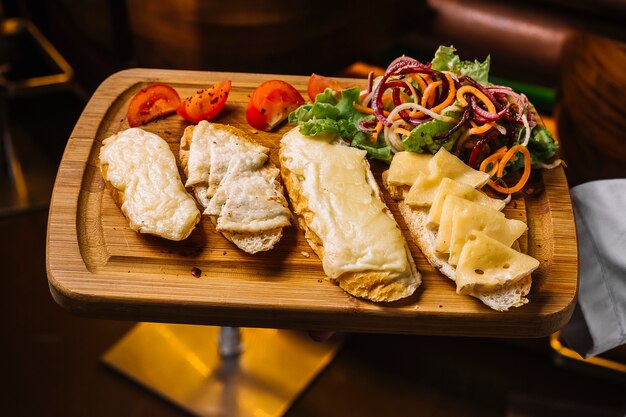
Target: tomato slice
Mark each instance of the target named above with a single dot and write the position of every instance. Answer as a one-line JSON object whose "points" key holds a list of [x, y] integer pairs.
{"points": [[152, 102], [205, 104], [318, 83], [270, 103]]}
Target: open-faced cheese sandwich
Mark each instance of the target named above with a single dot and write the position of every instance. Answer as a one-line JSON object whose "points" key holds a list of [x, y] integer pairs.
{"points": [[239, 187], [345, 220], [461, 231], [140, 170]]}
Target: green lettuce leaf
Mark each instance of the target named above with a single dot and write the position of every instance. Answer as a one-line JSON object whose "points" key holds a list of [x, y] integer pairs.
{"points": [[541, 145], [334, 113], [421, 138], [542, 148], [446, 59]]}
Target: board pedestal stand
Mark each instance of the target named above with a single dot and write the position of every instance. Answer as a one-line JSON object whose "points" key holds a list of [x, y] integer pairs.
{"points": [[221, 371]]}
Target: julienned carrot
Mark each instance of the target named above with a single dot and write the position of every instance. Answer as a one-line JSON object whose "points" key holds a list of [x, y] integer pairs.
{"points": [[428, 98], [377, 129], [420, 81], [367, 110], [362, 108], [460, 95], [493, 159], [450, 98], [402, 131], [429, 94], [491, 108], [502, 164], [477, 130]]}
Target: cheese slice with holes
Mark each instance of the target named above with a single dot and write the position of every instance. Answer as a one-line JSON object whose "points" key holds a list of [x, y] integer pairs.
{"points": [[406, 167], [472, 216], [449, 186], [486, 265], [442, 165], [446, 226]]}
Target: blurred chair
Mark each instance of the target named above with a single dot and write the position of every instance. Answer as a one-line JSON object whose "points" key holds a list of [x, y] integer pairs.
{"points": [[29, 64]]}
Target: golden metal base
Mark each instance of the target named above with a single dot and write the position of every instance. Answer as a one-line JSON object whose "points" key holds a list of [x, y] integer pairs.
{"points": [[182, 363]]}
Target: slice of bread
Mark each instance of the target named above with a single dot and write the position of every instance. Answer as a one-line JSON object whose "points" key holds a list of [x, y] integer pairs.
{"points": [[140, 171], [240, 178], [372, 283], [510, 295]]}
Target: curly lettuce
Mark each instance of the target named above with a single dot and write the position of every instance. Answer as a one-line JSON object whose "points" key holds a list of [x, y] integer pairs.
{"points": [[446, 59], [334, 113]]}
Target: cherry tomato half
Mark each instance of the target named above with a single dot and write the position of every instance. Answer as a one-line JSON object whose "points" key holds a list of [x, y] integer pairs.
{"points": [[152, 102], [319, 83], [271, 103], [205, 104]]}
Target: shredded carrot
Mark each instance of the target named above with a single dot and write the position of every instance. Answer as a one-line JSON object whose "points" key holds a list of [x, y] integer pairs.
{"points": [[450, 98], [477, 130], [491, 108], [493, 159], [419, 80], [429, 95], [377, 129], [386, 99], [366, 110], [460, 95], [401, 131], [362, 108], [426, 78], [502, 164]]}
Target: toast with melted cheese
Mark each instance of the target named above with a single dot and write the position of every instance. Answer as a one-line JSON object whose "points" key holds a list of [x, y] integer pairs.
{"points": [[345, 219], [140, 170], [460, 230], [238, 186]]}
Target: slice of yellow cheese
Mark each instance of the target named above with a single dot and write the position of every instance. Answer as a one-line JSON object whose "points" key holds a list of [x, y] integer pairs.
{"points": [[449, 186], [406, 166], [442, 165], [446, 226], [486, 265], [472, 216]]}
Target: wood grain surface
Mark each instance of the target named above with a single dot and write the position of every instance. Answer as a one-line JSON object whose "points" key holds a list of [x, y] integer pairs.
{"points": [[98, 267]]}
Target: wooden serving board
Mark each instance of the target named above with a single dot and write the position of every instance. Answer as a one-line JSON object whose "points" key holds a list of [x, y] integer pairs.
{"points": [[98, 267]]}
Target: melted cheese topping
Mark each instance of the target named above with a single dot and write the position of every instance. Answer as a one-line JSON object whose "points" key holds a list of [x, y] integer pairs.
{"points": [[141, 166], [249, 200], [210, 153], [352, 223], [233, 183]]}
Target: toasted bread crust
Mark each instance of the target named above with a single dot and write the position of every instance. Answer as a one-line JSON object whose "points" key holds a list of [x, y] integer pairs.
{"points": [[378, 286]]}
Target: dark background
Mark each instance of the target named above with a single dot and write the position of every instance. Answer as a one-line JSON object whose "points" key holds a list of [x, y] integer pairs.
{"points": [[51, 359]]}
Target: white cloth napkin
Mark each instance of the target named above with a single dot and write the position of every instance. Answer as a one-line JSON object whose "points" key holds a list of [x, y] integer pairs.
{"points": [[599, 321]]}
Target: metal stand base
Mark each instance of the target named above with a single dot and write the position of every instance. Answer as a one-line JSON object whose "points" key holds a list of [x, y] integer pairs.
{"points": [[183, 364]]}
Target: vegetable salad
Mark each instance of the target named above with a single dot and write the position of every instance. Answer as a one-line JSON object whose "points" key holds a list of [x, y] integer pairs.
{"points": [[447, 103]]}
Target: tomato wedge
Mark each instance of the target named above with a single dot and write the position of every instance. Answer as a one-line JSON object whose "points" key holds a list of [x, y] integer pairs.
{"points": [[270, 103], [205, 104], [318, 83], [152, 102]]}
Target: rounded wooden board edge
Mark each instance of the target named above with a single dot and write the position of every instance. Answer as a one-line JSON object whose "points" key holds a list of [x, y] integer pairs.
{"points": [[78, 301]]}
